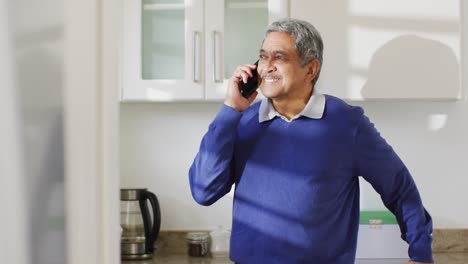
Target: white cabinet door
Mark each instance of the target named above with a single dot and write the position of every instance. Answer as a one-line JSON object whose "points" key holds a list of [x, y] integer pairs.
{"points": [[186, 50], [234, 30], [163, 50], [387, 49]]}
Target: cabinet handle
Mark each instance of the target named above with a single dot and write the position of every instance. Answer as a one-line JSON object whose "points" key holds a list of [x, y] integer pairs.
{"points": [[195, 75], [215, 79]]}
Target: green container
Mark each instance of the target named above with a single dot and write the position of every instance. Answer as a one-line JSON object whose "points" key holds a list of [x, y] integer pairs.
{"points": [[380, 217]]}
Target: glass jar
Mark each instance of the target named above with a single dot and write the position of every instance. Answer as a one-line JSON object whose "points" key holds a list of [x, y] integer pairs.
{"points": [[220, 242], [197, 243]]}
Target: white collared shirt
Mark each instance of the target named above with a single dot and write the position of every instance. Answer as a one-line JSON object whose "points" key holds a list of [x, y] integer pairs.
{"points": [[313, 109]]}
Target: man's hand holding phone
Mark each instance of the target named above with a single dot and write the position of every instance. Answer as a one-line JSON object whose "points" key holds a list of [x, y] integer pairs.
{"points": [[234, 98]]}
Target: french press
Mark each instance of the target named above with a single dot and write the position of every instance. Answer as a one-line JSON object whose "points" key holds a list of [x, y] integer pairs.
{"points": [[140, 225]]}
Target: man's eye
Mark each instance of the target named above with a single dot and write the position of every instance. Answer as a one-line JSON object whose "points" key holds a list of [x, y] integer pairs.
{"points": [[262, 57], [279, 57]]}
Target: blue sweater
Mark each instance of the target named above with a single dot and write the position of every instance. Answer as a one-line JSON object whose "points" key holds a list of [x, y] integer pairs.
{"points": [[296, 194]]}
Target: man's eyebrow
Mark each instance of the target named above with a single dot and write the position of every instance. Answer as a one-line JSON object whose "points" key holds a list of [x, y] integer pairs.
{"points": [[281, 52]]}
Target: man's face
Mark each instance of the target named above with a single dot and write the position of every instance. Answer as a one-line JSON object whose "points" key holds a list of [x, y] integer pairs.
{"points": [[282, 76]]}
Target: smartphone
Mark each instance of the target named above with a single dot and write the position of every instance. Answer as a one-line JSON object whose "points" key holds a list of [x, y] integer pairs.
{"points": [[247, 89]]}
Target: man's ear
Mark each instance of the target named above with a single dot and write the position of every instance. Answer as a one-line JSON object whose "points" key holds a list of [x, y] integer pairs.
{"points": [[313, 68]]}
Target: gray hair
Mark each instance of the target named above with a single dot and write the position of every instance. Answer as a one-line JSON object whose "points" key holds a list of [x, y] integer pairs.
{"points": [[308, 42]]}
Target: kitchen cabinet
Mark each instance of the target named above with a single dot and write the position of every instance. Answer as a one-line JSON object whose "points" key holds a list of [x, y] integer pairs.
{"points": [[186, 50], [397, 49]]}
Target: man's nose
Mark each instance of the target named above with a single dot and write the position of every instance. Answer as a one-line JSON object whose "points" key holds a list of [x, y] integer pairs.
{"points": [[269, 66]]}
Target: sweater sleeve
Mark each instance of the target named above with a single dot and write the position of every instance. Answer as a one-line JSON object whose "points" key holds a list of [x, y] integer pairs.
{"points": [[377, 162], [211, 173]]}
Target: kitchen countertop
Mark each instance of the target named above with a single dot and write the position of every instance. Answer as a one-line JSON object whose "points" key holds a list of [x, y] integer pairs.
{"points": [[451, 247], [440, 258]]}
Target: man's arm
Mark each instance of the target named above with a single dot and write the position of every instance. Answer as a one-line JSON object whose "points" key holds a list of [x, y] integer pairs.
{"points": [[376, 161], [211, 174]]}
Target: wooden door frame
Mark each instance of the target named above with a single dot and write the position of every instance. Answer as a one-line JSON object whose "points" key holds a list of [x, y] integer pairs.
{"points": [[91, 105]]}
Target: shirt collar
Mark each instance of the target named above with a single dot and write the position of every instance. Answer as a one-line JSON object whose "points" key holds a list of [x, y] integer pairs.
{"points": [[313, 109]]}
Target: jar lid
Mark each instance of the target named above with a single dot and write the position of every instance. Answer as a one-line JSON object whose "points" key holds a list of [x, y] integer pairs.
{"points": [[197, 236]]}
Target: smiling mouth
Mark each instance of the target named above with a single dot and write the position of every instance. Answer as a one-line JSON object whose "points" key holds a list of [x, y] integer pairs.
{"points": [[270, 79]]}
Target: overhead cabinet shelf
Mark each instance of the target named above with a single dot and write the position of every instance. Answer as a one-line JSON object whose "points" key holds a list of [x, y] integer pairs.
{"points": [[248, 5], [388, 50], [163, 7], [187, 50]]}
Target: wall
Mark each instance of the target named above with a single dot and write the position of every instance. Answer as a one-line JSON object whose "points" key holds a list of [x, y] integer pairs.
{"points": [[159, 141], [157, 145]]}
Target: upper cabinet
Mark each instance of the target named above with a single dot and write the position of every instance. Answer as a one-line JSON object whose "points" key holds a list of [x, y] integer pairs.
{"points": [[378, 50], [176, 50]]}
